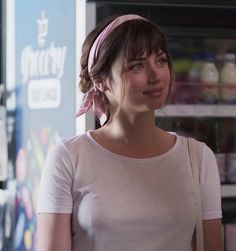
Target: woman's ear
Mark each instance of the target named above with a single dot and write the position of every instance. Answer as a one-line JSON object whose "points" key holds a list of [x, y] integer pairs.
{"points": [[101, 84]]}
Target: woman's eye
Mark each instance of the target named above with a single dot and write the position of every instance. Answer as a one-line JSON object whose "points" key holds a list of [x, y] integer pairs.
{"points": [[136, 67], [162, 61]]}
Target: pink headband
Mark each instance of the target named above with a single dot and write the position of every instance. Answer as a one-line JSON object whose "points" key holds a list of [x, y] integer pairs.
{"points": [[94, 100]]}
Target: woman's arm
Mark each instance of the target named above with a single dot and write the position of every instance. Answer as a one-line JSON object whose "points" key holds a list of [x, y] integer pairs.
{"points": [[212, 230], [54, 232]]}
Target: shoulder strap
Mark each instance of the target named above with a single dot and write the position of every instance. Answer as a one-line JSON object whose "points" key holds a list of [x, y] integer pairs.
{"points": [[195, 170]]}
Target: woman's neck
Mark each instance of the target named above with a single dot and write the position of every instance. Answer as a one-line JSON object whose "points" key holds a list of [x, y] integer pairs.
{"points": [[132, 130], [140, 140]]}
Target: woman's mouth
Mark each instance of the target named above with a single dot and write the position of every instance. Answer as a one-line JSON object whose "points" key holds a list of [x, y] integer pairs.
{"points": [[154, 93]]}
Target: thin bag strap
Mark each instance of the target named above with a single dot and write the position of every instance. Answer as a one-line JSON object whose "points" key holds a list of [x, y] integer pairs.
{"points": [[196, 176]]}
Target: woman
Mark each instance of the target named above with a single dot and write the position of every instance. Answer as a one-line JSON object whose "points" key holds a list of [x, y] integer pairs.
{"points": [[127, 185]]}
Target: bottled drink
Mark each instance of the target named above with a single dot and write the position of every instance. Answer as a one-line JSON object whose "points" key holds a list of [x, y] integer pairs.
{"points": [[195, 69], [228, 79], [209, 77], [192, 90], [219, 61]]}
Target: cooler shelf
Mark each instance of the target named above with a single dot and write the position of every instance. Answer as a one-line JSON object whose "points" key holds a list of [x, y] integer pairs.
{"points": [[203, 110]]}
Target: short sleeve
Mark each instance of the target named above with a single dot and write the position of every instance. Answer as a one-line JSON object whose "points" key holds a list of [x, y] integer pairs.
{"points": [[55, 190], [210, 185]]}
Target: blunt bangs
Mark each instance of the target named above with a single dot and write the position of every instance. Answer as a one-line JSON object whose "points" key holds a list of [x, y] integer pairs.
{"points": [[130, 40], [142, 37]]}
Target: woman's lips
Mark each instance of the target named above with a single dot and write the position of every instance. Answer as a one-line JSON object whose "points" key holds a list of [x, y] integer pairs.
{"points": [[154, 93]]}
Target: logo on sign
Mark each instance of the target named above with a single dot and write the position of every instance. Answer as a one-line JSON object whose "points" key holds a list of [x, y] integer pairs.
{"points": [[42, 68]]}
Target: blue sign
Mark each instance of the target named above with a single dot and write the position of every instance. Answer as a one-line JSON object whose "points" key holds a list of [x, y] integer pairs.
{"points": [[45, 98]]}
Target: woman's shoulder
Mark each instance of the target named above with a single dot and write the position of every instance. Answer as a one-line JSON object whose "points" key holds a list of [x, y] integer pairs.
{"points": [[65, 153], [73, 141], [200, 145], [203, 151], [68, 146], [185, 139]]}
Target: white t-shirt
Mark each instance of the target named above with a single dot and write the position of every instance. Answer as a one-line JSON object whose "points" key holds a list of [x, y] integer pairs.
{"points": [[128, 204]]}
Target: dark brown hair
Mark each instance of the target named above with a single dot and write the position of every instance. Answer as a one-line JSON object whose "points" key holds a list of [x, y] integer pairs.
{"points": [[131, 39]]}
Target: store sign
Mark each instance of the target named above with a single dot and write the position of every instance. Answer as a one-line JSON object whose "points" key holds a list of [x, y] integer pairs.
{"points": [[44, 84], [46, 64]]}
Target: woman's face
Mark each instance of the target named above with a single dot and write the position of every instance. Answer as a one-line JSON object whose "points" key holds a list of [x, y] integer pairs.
{"points": [[142, 86]]}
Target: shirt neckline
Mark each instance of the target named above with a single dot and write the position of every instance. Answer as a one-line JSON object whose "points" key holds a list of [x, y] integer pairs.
{"points": [[131, 159]]}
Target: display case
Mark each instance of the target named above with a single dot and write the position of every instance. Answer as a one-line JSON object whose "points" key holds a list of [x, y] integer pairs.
{"points": [[204, 99], [204, 107]]}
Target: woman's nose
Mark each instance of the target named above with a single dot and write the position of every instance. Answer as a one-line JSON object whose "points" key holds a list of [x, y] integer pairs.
{"points": [[153, 74]]}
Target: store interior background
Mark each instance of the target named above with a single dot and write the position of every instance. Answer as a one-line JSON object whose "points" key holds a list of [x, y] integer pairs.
{"points": [[40, 50]]}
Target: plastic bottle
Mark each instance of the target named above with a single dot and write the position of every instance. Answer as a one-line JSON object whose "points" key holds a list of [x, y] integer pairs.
{"points": [[192, 90], [228, 79], [219, 61], [195, 69], [209, 77]]}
